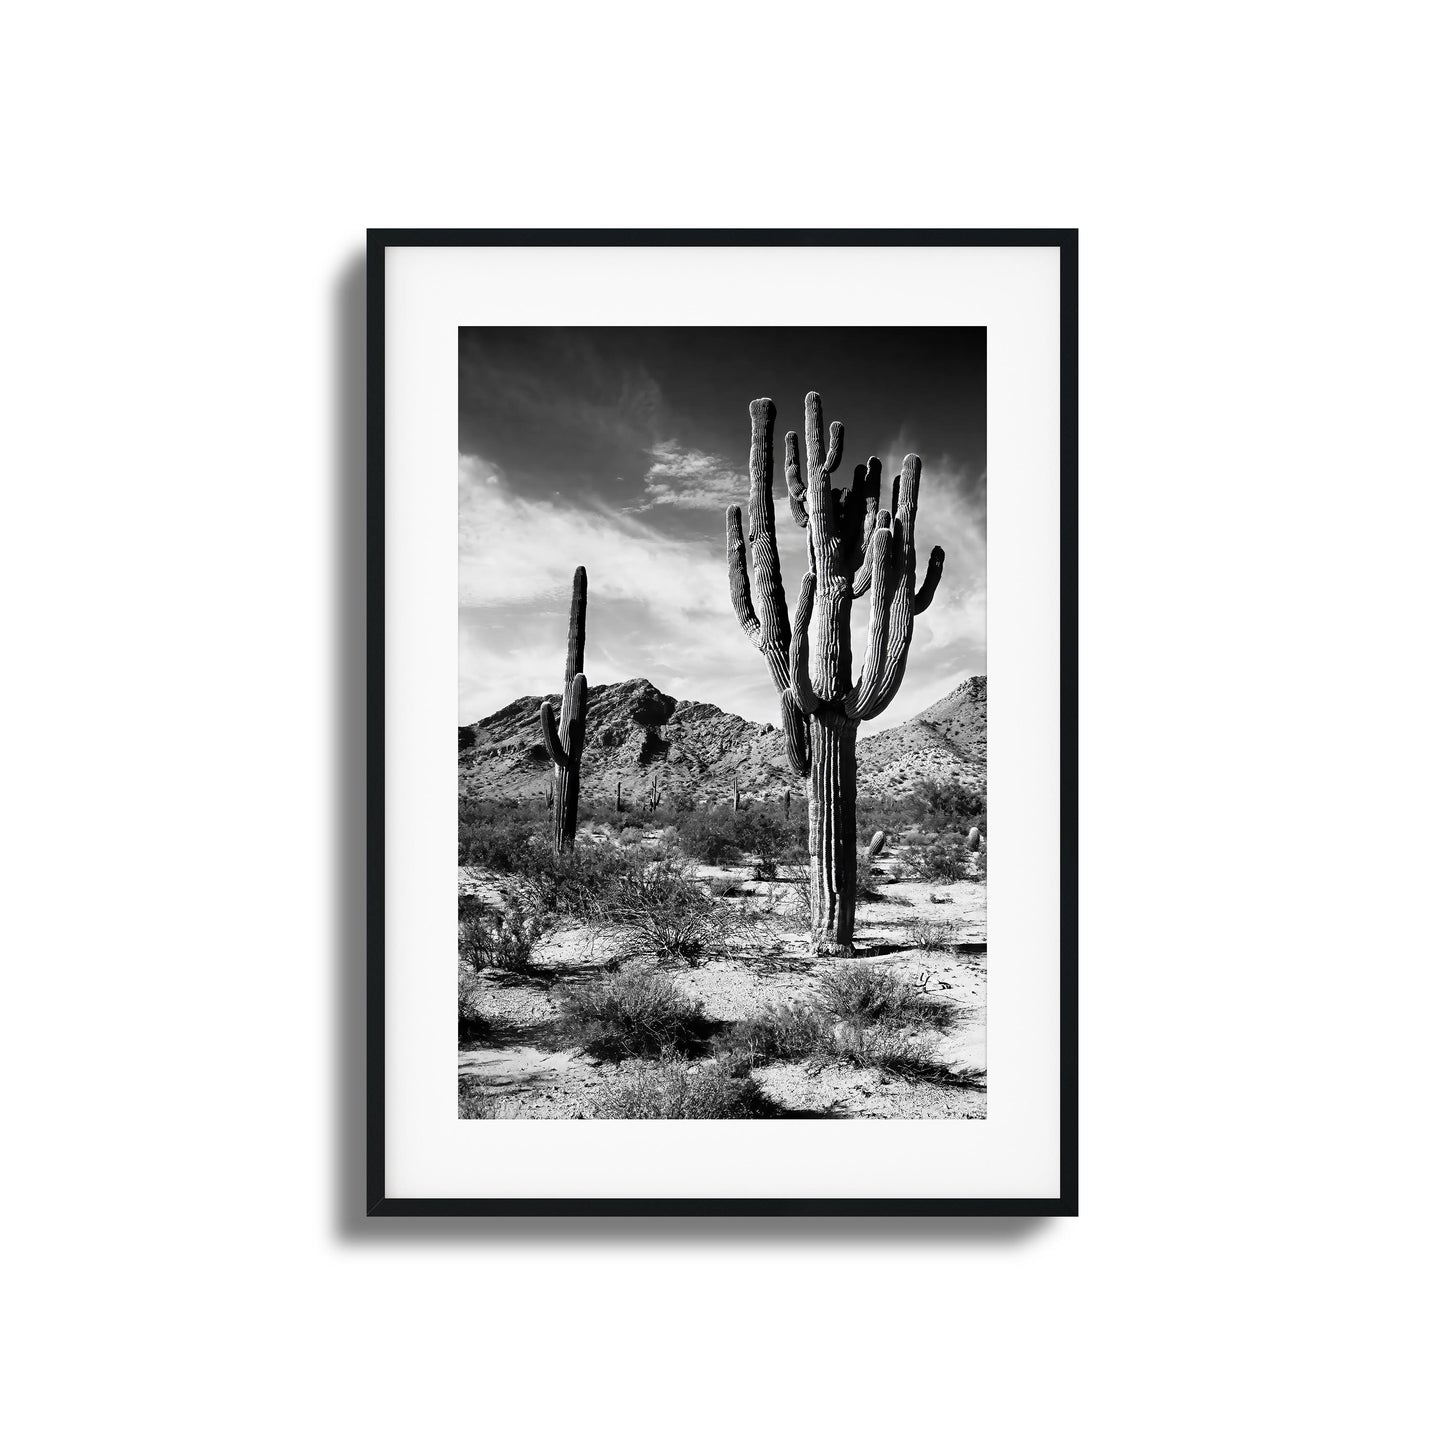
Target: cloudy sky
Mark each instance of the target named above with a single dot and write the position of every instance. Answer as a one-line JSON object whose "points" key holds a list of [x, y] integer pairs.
{"points": [[620, 449]]}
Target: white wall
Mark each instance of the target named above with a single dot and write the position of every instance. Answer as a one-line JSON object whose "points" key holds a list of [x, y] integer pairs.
{"points": [[180, 336]]}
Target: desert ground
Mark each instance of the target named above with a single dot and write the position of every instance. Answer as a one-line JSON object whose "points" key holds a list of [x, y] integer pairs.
{"points": [[635, 979]]}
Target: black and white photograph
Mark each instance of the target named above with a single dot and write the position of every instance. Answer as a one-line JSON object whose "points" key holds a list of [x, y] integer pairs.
{"points": [[722, 708]]}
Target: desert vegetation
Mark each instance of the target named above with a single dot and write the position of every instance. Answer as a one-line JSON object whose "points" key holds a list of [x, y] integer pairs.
{"points": [[662, 966]]}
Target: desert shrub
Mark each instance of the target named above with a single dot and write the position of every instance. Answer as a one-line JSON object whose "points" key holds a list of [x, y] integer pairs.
{"points": [[799, 882], [504, 937], [708, 837], [792, 1032], [493, 841], [677, 1089], [765, 837], [931, 935], [474, 1102], [862, 995], [866, 891], [783, 1032], [962, 804], [570, 885], [939, 807], [941, 863], [658, 908], [472, 1026], [635, 1013], [884, 1048]]}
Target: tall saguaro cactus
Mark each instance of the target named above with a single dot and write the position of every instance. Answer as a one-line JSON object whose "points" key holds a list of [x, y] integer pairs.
{"points": [[564, 746], [853, 549]]}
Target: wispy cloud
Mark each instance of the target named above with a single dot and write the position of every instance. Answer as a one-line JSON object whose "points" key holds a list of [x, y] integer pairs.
{"points": [[684, 477], [517, 548], [659, 606]]}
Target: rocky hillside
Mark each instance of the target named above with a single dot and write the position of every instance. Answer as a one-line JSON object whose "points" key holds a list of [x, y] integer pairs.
{"points": [[634, 731], [946, 742]]}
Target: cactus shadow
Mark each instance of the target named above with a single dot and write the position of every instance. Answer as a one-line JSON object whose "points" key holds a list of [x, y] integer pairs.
{"points": [[879, 949], [499, 1033]]}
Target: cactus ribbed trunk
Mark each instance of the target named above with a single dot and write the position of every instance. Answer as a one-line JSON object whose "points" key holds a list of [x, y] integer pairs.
{"points": [[564, 809], [564, 744], [832, 830]]}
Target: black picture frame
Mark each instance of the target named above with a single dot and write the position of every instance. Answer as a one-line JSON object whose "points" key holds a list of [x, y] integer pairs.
{"points": [[377, 1202]]}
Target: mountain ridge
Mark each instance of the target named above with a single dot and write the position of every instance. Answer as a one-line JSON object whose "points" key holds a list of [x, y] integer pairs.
{"points": [[635, 732]]}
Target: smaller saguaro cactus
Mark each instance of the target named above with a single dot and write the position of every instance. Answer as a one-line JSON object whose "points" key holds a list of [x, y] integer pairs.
{"points": [[787, 803], [654, 795], [876, 846], [737, 796], [564, 744], [619, 795], [551, 793], [975, 839]]}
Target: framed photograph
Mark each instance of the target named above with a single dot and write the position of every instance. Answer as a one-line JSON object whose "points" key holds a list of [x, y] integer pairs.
{"points": [[722, 722]]}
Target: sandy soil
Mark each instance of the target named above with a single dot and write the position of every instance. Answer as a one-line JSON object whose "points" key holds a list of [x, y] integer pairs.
{"points": [[526, 1071]]}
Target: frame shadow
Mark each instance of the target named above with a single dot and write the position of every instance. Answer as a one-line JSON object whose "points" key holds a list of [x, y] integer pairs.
{"points": [[350, 1224]]}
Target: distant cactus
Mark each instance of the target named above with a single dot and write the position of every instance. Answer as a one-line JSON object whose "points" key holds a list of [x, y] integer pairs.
{"points": [[619, 795], [975, 838], [853, 548], [787, 803], [876, 846], [564, 747], [737, 796], [654, 795]]}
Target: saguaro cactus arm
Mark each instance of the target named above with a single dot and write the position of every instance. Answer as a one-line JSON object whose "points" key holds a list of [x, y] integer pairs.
{"points": [[797, 483], [564, 745], [742, 593], [924, 595], [556, 748], [866, 487], [890, 628], [832, 556], [761, 606], [881, 583], [800, 484], [801, 683]]}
